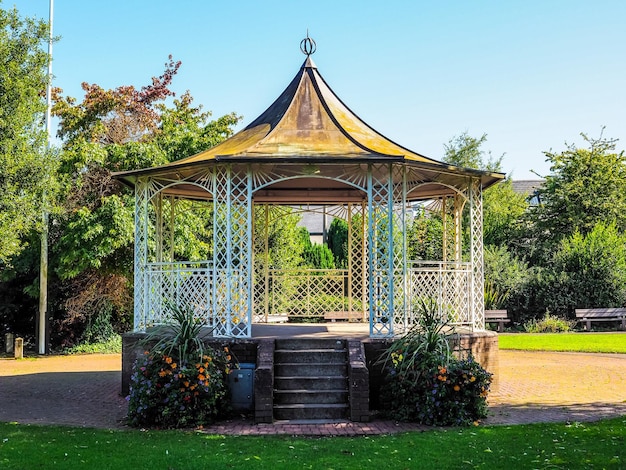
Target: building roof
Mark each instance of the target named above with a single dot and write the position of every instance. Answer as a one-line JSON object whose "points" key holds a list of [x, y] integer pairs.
{"points": [[526, 187]]}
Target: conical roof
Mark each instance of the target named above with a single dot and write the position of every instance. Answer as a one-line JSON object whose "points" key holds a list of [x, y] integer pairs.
{"points": [[308, 121], [309, 124]]}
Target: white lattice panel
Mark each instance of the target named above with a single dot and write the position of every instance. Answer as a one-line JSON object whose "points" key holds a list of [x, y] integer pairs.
{"points": [[447, 284], [184, 285]]}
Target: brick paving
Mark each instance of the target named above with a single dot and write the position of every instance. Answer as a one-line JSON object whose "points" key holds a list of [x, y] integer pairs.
{"points": [[533, 387]]}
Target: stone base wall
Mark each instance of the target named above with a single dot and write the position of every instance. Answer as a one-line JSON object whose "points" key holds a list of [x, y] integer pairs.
{"points": [[364, 373]]}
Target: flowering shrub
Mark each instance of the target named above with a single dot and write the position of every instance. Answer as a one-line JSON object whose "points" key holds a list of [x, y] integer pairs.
{"points": [[164, 392], [179, 381], [441, 395], [425, 382]]}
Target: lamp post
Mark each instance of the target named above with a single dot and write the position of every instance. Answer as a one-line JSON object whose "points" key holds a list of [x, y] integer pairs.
{"points": [[43, 264]]}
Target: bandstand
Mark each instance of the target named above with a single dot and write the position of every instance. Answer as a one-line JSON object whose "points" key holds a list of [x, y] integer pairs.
{"points": [[307, 151]]}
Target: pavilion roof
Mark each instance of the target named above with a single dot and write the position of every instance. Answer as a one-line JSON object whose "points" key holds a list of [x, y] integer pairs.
{"points": [[308, 122]]}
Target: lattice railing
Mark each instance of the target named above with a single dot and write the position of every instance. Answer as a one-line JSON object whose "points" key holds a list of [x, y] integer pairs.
{"points": [[309, 292], [180, 284], [448, 284]]}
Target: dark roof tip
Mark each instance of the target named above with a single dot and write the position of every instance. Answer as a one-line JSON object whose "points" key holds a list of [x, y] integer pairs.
{"points": [[309, 64]]}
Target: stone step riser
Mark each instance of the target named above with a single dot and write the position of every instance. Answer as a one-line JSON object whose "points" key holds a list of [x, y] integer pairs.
{"points": [[307, 356], [310, 383], [311, 370], [310, 379], [304, 413], [309, 343], [308, 397]]}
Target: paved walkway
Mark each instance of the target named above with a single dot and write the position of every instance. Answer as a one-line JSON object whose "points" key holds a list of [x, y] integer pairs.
{"points": [[534, 387]]}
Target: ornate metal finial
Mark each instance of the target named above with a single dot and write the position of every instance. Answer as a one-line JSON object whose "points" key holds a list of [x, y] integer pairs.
{"points": [[307, 45]]}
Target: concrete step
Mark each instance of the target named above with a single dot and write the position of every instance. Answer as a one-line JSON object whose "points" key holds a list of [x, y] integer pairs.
{"points": [[310, 383], [310, 355], [310, 411], [292, 397], [328, 369], [309, 343]]}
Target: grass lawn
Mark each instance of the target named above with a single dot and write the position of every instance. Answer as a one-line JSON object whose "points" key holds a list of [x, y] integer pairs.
{"points": [[581, 342], [578, 445]]}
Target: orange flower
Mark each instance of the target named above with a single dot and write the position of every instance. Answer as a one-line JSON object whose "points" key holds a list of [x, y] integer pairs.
{"points": [[168, 359], [201, 369], [162, 373], [472, 379], [173, 365], [457, 388], [186, 383], [200, 377], [442, 370]]}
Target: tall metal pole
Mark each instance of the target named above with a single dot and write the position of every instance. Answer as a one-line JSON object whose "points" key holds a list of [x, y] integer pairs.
{"points": [[43, 264]]}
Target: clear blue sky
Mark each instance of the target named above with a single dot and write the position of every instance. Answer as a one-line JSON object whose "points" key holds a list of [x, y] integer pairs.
{"points": [[531, 74]]}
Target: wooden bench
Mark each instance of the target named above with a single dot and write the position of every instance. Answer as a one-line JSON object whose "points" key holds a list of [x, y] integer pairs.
{"points": [[497, 316], [588, 315], [348, 316]]}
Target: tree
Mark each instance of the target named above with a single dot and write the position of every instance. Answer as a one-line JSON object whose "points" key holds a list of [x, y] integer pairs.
{"points": [[425, 237], [338, 241], [465, 151], [318, 256], [24, 165], [592, 268], [91, 237], [585, 186], [503, 210]]}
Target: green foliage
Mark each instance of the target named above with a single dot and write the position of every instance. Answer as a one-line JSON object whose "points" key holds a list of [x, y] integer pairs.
{"points": [[585, 271], [591, 269], [91, 230], [505, 277], [318, 256], [93, 235], [425, 382], [549, 324], [465, 151], [186, 130], [112, 345], [181, 337], [338, 241], [25, 166], [425, 237], [585, 186], [180, 381], [503, 209], [286, 240]]}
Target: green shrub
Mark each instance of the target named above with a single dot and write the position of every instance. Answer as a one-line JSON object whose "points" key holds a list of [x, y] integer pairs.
{"points": [[426, 383], [113, 345], [549, 324], [179, 382]]}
